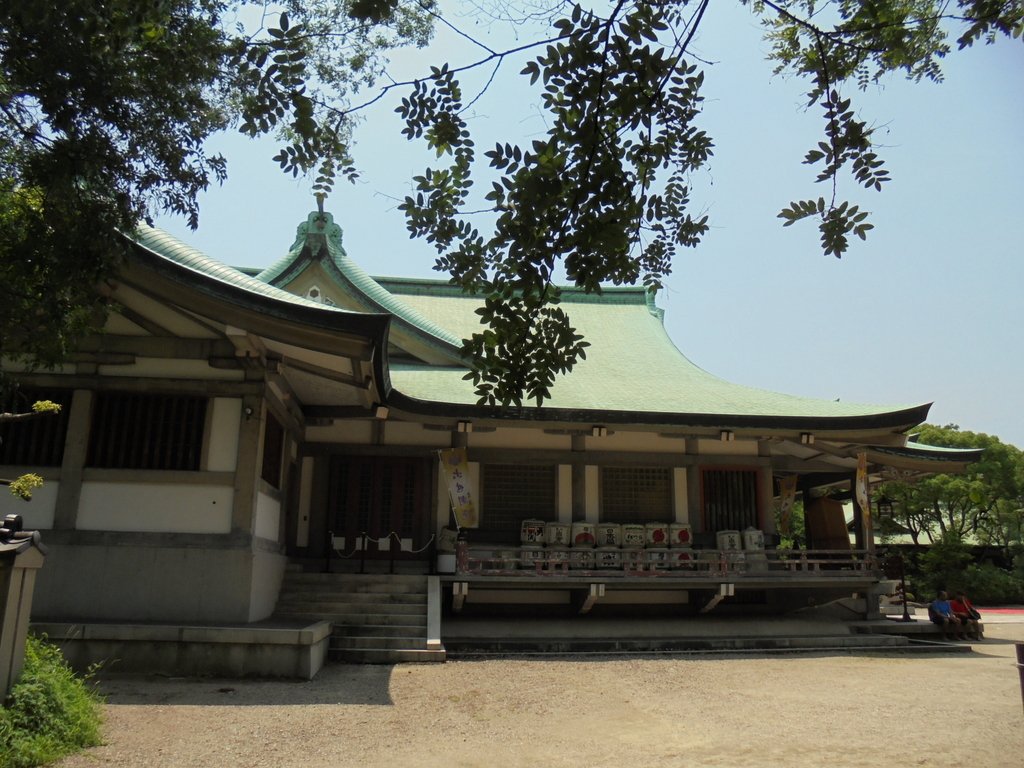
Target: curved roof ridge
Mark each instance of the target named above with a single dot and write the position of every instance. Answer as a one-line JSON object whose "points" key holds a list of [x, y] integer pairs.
{"points": [[319, 237], [171, 248]]}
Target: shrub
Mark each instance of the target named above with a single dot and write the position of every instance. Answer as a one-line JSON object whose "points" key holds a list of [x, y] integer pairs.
{"points": [[986, 584], [50, 712]]}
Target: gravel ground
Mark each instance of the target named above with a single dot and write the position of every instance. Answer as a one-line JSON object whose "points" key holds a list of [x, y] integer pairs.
{"points": [[840, 710]]}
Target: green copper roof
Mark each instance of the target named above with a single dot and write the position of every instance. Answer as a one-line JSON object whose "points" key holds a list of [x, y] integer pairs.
{"points": [[318, 239], [632, 367], [172, 249]]}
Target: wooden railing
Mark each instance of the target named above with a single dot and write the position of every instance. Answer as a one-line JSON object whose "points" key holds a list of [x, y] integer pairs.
{"points": [[678, 563]]}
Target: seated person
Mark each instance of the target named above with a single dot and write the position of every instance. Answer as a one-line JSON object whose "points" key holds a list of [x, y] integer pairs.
{"points": [[941, 613], [969, 617]]}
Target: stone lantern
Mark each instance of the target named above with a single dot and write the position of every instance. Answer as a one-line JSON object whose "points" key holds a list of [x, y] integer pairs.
{"points": [[21, 555]]}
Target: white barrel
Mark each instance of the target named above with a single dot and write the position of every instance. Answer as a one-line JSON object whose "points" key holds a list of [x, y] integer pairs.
{"points": [[581, 558], [680, 535], [608, 534], [681, 558], [557, 534], [583, 534], [528, 556], [507, 559], [656, 535], [556, 554], [656, 557], [633, 559], [608, 557], [633, 535], [730, 541], [753, 539], [531, 532]]}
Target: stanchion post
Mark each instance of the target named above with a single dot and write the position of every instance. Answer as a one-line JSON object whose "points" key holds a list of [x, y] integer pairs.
{"points": [[1020, 670]]}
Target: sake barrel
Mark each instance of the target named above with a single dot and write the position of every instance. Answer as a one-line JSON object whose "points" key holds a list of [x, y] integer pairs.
{"points": [[633, 559], [608, 558], [528, 556], [581, 558], [681, 558], [656, 557], [753, 539], [556, 554], [680, 535], [531, 532], [633, 535], [557, 534], [656, 535], [583, 534], [730, 541], [608, 534]]}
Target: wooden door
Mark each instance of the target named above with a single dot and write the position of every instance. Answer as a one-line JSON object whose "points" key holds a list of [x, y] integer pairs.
{"points": [[387, 498]]}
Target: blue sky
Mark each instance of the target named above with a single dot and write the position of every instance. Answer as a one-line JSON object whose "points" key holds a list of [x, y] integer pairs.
{"points": [[929, 309]]}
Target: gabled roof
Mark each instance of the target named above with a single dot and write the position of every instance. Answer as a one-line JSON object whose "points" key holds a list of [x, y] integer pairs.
{"points": [[318, 242], [633, 373]]}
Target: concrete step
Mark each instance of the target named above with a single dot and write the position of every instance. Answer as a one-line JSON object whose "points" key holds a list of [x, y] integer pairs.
{"points": [[386, 656], [370, 642], [417, 631], [391, 584], [306, 595], [356, 619], [345, 607], [468, 647]]}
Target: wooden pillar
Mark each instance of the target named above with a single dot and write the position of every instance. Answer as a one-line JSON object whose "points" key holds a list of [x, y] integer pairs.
{"points": [[858, 515], [248, 468], [693, 487], [76, 449], [579, 479]]}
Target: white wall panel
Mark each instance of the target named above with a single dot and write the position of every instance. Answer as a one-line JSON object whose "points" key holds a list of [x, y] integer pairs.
{"points": [[160, 507]]}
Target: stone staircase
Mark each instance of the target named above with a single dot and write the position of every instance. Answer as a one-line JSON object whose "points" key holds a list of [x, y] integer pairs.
{"points": [[376, 618]]}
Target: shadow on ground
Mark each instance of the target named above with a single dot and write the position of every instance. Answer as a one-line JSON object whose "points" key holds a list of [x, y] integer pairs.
{"points": [[335, 684]]}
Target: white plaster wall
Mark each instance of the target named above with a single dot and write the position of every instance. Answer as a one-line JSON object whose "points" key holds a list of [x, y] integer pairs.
{"points": [[358, 432], [519, 438], [635, 441], [732, 448], [35, 514], [159, 367], [268, 516], [564, 493], [680, 506], [592, 480], [225, 419], [305, 502], [267, 574], [404, 433], [155, 507]]}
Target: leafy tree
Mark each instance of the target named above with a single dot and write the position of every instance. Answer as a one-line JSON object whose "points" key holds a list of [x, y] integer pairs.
{"points": [[105, 108], [974, 504], [94, 136]]}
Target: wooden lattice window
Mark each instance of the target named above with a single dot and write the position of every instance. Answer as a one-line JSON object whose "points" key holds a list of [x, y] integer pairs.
{"points": [[143, 431], [38, 441], [636, 494], [730, 499], [511, 493]]}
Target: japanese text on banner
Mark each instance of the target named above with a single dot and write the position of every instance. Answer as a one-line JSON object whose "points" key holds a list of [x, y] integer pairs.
{"points": [[456, 472]]}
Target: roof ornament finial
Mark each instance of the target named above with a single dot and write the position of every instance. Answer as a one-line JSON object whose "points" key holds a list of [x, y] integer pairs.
{"points": [[320, 197]]}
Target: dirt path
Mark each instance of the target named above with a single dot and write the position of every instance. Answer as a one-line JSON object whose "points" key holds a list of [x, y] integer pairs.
{"points": [[838, 710]]}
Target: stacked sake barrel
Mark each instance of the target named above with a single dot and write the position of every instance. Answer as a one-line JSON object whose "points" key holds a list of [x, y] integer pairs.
{"points": [[607, 546], [680, 539]]}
